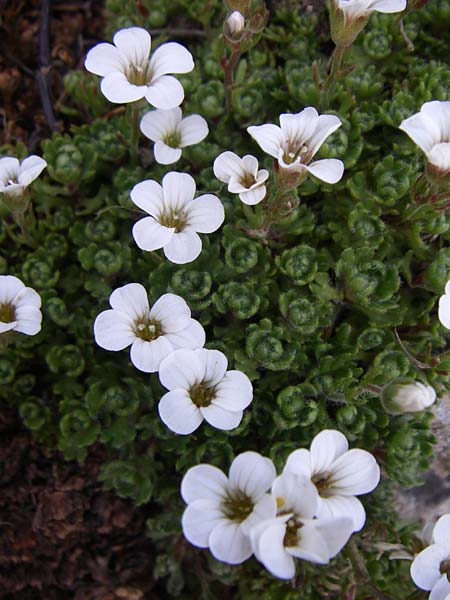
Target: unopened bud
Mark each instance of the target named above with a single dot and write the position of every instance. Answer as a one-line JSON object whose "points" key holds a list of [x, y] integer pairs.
{"points": [[406, 395], [235, 22]]}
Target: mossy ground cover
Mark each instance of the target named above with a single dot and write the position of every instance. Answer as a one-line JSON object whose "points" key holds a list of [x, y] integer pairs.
{"points": [[336, 300]]}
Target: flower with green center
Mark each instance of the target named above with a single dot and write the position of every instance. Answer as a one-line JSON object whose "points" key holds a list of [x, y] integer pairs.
{"points": [[171, 133], [153, 333], [295, 142], [221, 510], [19, 307], [339, 474], [129, 73], [200, 387], [294, 532], [431, 568], [175, 216]]}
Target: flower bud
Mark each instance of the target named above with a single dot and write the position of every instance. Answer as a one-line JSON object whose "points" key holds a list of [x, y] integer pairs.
{"points": [[406, 395], [235, 23]]}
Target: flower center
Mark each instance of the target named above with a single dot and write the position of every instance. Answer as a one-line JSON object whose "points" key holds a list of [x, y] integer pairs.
{"points": [[291, 536], [296, 151], [173, 140], [147, 329], [237, 506], [7, 313], [247, 180], [323, 483], [137, 74], [173, 218], [444, 567], [202, 394]]}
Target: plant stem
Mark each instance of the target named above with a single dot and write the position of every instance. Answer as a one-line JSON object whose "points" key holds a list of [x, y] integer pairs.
{"points": [[228, 67], [134, 141], [359, 566], [335, 64]]}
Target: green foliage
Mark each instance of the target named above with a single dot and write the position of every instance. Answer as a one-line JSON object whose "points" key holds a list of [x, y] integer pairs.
{"points": [[312, 309]]}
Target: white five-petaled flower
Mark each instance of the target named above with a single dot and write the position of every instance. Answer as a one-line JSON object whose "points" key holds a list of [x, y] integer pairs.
{"points": [[294, 532], [221, 510], [200, 387], [242, 176], [129, 73], [175, 216], [444, 307], [430, 130], [404, 395], [171, 133], [431, 567], [338, 473], [15, 176], [297, 140], [19, 307], [152, 333], [355, 9]]}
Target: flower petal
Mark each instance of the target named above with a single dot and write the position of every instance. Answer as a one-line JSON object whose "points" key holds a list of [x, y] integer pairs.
{"points": [[234, 391], [439, 113], [215, 365], [179, 413], [425, 568], [130, 299], [250, 164], [149, 235], [7, 326], [343, 506], [192, 336], [113, 330], [10, 287], [147, 356], [253, 196], [184, 247], [134, 45], [103, 59], [355, 472], [165, 92], [199, 520], [205, 213], [439, 156], [335, 531], [296, 494], [441, 531], [252, 474], [264, 508], [325, 126], [164, 154], [299, 463], [229, 543], [310, 545], [149, 196], [158, 124], [444, 311], [192, 130], [31, 168], [204, 481], [116, 88], [172, 312], [329, 170], [179, 190], [388, 6], [221, 418], [269, 137], [422, 129], [299, 127], [181, 369], [269, 549], [327, 445], [29, 319], [170, 58], [441, 591], [226, 165]]}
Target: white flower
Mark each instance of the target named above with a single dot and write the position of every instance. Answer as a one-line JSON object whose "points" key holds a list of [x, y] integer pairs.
{"points": [[295, 532], [202, 388], [175, 216], [355, 9], [171, 133], [236, 22], [430, 130], [15, 176], [297, 140], [19, 307], [222, 510], [242, 176], [338, 473], [430, 568], [129, 74], [405, 395], [444, 307], [152, 333]]}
